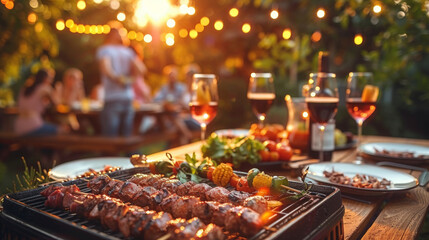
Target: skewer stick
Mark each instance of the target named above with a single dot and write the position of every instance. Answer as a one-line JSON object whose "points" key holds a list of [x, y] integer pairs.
{"points": [[165, 237], [290, 189]]}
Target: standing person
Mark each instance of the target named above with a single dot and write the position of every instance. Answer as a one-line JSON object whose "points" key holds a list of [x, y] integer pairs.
{"points": [[117, 62], [33, 100], [142, 91], [71, 88]]}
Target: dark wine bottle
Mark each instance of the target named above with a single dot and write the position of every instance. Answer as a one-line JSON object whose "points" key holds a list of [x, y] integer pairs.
{"points": [[314, 141]]}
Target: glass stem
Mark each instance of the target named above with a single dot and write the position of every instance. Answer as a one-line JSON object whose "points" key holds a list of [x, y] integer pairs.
{"points": [[203, 131], [322, 131], [261, 120], [359, 140]]}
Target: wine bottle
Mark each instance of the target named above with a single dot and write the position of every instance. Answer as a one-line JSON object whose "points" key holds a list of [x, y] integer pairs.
{"points": [[314, 143]]}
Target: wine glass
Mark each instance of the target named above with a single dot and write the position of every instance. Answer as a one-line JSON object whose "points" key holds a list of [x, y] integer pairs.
{"points": [[204, 99], [361, 97], [261, 94], [322, 103]]}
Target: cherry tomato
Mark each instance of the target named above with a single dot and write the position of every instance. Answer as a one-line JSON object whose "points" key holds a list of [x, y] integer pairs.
{"points": [[243, 186], [271, 145], [234, 181], [285, 151], [176, 166], [274, 156], [265, 155], [210, 173]]}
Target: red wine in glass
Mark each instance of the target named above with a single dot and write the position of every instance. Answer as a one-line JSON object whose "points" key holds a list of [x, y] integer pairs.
{"points": [[203, 113], [261, 102], [360, 110], [322, 109]]}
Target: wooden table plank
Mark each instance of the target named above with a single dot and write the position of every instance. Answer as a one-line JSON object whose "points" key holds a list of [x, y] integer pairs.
{"points": [[357, 216]]}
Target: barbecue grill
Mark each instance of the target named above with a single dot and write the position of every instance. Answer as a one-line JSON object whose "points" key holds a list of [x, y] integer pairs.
{"points": [[25, 215]]}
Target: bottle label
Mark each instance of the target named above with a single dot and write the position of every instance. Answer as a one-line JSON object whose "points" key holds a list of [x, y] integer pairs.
{"points": [[328, 137]]}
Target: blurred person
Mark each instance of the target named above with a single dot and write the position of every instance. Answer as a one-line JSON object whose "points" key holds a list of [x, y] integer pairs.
{"points": [[142, 91], [71, 89], [190, 70], [117, 63], [33, 100], [174, 96], [97, 93]]}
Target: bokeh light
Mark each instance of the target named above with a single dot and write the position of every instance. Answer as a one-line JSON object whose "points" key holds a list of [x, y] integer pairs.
{"points": [[287, 33], [98, 1], [60, 25], [274, 14], [320, 13], [157, 12], [205, 21], [171, 23], [147, 38], [32, 18], [193, 34], [233, 12], [316, 36], [139, 36], [121, 16], [34, 3], [169, 41], [9, 5], [377, 8], [132, 35], [69, 23], [38, 27], [358, 39], [183, 33], [191, 10], [106, 29], [218, 25], [246, 28], [114, 4], [81, 5], [199, 27]]}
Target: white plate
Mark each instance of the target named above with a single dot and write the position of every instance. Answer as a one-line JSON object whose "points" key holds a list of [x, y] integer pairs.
{"points": [[369, 152], [75, 168], [399, 181], [232, 133]]}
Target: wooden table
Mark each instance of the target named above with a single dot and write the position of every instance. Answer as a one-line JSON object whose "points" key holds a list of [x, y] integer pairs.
{"points": [[396, 217]]}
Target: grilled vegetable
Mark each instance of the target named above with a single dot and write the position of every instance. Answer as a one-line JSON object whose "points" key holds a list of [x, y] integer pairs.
{"points": [[222, 174], [164, 167], [251, 174], [262, 180], [277, 181], [242, 185]]}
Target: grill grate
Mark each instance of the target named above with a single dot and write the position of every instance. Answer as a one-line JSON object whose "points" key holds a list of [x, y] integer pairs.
{"points": [[320, 214]]}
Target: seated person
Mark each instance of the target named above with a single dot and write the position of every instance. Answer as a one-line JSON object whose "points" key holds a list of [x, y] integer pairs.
{"points": [[33, 99], [71, 88], [175, 97]]}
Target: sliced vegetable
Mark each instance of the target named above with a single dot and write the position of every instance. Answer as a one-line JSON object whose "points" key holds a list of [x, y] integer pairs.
{"points": [[210, 173], [251, 174], [234, 180], [185, 167], [262, 180], [222, 174], [164, 167], [152, 167]]}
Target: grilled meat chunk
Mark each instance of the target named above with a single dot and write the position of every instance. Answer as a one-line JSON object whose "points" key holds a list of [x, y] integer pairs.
{"points": [[199, 190], [183, 189], [257, 203], [238, 197], [219, 194], [183, 207]]}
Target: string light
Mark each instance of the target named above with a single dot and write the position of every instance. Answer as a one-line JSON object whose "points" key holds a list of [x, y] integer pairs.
{"points": [[60, 25], [98, 1], [191, 11], [358, 39], [9, 5], [114, 4], [121, 16], [171, 23], [169, 41], [218, 25], [246, 28], [132, 35], [320, 13], [193, 34], [183, 33], [69, 23], [274, 14], [205, 21], [377, 8], [81, 5], [38, 27], [34, 3], [147, 38], [199, 27], [233, 12], [287, 33], [32, 18]]}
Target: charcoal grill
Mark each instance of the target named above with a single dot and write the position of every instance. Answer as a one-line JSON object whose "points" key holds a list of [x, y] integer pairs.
{"points": [[24, 214]]}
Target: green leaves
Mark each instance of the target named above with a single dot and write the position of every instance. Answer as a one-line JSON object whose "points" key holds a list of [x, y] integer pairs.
{"points": [[30, 178], [236, 150], [191, 169]]}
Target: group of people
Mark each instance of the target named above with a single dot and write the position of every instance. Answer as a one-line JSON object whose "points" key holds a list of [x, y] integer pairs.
{"points": [[122, 84]]}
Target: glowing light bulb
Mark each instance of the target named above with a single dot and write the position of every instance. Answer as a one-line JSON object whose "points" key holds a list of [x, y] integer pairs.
{"points": [[147, 38], [193, 34], [183, 33], [377, 8], [233, 12], [60, 25], [321, 13], [191, 10], [218, 25], [169, 41], [316, 36], [205, 21], [287, 33], [81, 5], [121, 16], [358, 39], [246, 28], [32, 18], [274, 14], [171, 23], [69, 23]]}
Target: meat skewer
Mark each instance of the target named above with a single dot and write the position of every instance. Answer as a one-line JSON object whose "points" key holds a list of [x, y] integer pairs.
{"points": [[203, 191], [245, 220], [128, 219]]}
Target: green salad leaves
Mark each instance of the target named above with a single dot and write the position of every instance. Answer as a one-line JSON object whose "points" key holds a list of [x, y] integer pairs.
{"points": [[235, 150]]}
